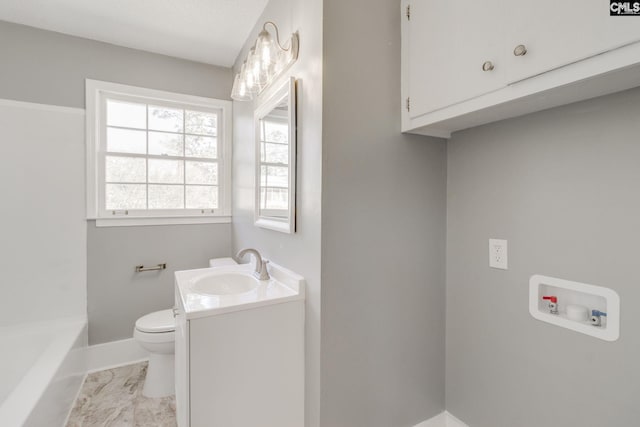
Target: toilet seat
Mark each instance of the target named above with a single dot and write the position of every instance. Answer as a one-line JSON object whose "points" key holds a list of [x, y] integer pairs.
{"points": [[154, 338], [157, 322]]}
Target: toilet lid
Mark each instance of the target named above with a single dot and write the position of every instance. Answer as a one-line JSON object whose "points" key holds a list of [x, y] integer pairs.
{"points": [[158, 321]]}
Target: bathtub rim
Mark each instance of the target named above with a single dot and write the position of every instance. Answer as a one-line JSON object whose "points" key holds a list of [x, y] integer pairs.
{"points": [[16, 409]]}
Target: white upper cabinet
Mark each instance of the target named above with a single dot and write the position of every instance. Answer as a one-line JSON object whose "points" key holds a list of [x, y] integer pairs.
{"points": [[452, 59], [471, 62], [556, 33]]}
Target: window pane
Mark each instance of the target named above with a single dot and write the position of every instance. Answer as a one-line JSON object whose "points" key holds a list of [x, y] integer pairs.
{"points": [[126, 114], [125, 169], [276, 198], [201, 123], [201, 146], [202, 173], [202, 197], [274, 176], [126, 141], [166, 197], [166, 171], [276, 131], [167, 119], [125, 196], [276, 153], [167, 144]]}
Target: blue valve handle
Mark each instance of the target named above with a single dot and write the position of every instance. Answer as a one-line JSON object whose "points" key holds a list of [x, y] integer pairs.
{"points": [[598, 313]]}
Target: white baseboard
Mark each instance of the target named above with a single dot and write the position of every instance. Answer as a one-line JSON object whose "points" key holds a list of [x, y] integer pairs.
{"points": [[113, 354], [444, 419]]}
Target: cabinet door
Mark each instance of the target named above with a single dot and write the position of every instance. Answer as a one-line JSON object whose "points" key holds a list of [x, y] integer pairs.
{"points": [[557, 33], [448, 43]]}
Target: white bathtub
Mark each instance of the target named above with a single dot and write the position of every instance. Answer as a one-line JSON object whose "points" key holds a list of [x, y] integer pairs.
{"points": [[42, 366]]}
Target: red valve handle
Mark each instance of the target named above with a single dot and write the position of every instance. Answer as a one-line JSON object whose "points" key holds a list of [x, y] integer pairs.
{"points": [[551, 298]]}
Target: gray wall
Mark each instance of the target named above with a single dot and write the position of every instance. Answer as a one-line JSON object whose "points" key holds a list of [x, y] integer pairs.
{"points": [[300, 251], [383, 232], [118, 295], [50, 68], [562, 187]]}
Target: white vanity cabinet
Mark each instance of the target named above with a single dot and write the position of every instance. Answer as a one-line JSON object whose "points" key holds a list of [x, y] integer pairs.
{"points": [[239, 357], [471, 62]]}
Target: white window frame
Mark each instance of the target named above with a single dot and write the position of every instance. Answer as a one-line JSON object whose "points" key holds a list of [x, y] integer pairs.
{"points": [[96, 94], [273, 214]]}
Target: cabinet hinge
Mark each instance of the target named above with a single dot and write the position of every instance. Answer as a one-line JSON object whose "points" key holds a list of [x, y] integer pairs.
{"points": [[408, 12], [408, 103]]}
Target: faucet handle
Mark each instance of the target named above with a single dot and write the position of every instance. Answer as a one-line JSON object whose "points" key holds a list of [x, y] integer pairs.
{"points": [[553, 303], [264, 273], [598, 317]]}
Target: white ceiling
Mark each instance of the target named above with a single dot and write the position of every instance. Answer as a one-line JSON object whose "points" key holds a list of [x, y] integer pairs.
{"points": [[210, 31]]}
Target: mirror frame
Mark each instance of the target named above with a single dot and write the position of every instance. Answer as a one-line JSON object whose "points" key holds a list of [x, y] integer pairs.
{"points": [[287, 90]]}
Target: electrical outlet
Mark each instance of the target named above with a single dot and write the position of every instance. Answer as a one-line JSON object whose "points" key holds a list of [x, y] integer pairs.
{"points": [[498, 254]]}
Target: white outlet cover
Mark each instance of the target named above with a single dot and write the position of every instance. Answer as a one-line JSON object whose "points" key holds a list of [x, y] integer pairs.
{"points": [[498, 254]]}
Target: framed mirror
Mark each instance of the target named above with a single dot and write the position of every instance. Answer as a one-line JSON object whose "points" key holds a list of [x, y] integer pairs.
{"points": [[275, 122]]}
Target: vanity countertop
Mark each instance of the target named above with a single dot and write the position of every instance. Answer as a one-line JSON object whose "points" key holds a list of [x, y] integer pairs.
{"points": [[217, 290]]}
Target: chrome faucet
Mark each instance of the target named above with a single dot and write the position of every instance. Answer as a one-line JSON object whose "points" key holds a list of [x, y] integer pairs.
{"points": [[260, 272]]}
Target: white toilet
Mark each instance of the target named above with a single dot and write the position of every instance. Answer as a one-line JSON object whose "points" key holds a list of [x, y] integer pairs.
{"points": [[156, 333]]}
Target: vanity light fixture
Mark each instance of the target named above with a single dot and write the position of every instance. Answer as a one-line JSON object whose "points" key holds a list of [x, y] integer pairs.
{"points": [[264, 63]]}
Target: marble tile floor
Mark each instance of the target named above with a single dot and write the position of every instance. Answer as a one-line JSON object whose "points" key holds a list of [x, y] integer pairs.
{"points": [[113, 398]]}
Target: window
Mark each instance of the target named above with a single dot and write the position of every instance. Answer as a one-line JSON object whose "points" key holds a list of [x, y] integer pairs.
{"points": [[156, 157]]}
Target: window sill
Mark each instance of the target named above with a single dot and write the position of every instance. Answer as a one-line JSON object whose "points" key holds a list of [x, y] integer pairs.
{"points": [[142, 221]]}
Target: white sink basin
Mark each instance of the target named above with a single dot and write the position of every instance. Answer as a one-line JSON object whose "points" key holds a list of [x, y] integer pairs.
{"points": [[224, 284]]}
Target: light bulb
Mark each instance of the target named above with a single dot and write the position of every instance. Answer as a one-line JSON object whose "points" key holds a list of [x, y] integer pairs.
{"points": [[250, 83], [266, 50], [281, 62], [252, 72], [239, 91], [243, 80], [266, 56]]}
